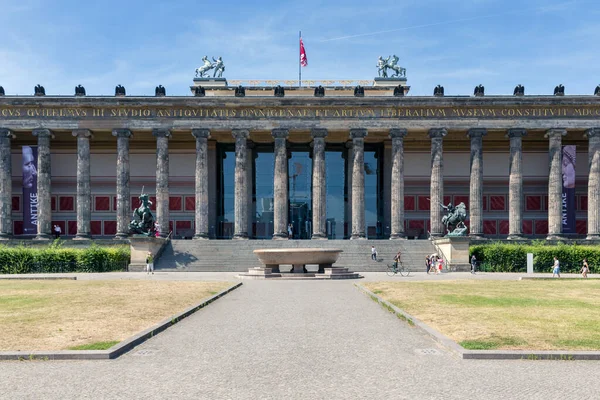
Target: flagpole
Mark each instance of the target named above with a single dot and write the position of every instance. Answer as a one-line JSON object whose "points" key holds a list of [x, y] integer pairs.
{"points": [[299, 61]]}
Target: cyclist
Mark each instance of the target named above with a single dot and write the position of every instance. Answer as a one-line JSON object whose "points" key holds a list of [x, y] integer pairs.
{"points": [[397, 260]]}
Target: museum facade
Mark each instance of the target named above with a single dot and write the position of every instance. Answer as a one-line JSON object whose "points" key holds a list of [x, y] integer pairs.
{"points": [[225, 164]]}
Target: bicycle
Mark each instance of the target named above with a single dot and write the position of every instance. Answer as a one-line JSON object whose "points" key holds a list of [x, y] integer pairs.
{"points": [[397, 268]]}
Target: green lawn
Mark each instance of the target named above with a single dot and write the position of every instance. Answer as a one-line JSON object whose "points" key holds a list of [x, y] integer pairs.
{"points": [[536, 315]]}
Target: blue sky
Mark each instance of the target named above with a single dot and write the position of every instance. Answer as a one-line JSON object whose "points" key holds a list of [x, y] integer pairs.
{"points": [[459, 44]]}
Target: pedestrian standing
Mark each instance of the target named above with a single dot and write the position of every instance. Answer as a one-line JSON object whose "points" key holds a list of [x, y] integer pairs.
{"points": [[585, 269], [473, 263], [57, 231], [427, 263], [556, 268], [373, 253], [149, 263], [290, 231]]}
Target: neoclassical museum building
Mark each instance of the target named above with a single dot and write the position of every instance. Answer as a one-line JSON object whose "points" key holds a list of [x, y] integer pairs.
{"points": [[248, 159]]}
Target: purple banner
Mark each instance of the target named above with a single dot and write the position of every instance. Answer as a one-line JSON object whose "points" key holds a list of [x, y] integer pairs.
{"points": [[30, 194], [568, 192]]}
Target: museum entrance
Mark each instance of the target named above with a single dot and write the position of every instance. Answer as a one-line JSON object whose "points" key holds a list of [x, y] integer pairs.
{"points": [[300, 192]]}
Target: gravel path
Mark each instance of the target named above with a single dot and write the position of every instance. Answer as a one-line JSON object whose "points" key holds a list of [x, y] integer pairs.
{"points": [[296, 340]]}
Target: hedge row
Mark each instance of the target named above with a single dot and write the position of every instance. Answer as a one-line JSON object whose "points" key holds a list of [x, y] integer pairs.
{"points": [[508, 257], [26, 260]]}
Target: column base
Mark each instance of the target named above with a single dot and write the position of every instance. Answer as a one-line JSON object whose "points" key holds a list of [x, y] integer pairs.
{"points": [[121, 236], [555, 236], [5, 236], [478, 236], [42, 236], [201, 236], [436, 235], [318, 236], [240, 236], [280, 236], [82, 236], [358, 236], [397, 235], [516, 236], [592, 237]]}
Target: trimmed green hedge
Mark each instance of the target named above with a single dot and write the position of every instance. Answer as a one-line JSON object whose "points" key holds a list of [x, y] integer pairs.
{"points": [[27, 260], [509, 257]]}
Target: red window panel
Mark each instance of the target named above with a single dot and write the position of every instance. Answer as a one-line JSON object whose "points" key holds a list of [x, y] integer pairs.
{"points": [[409, 203], [503, 227], [485, 201], [175, 203], [183, 226], [16, 203], [541, 227], [416, 224], [489, 227], [53, 203], [72, 228], [96, 228], [527, 227], [114, 203], [135, 203], [63, 226], [462, 199], [545, 202], [447, 199], [17, 228], [110, 228], [583, 203], [190, 203], [423, 203], [66, 203], [533, 203], [498, 203], [102, 203], [153, 205], [581, 226]]}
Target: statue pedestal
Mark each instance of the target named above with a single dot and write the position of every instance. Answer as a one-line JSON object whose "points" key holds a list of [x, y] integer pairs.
{"points": [[210, 82], [456, 251], [390, 82], [140, 246]]}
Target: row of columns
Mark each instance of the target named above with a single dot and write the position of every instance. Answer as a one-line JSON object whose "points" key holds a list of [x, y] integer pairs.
{"points": [[319, 182]]}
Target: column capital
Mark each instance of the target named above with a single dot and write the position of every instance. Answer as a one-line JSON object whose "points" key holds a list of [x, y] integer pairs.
{"points": [[6, 133], [240, 133], [86, 133], [398, 133], [555, 132], [200, 133], [319, 133], [161, 133], [516, 132], [42, 132], [476, 132], [592, 132], [280, 133], [358, 133], [437, 132], [126, 133]]}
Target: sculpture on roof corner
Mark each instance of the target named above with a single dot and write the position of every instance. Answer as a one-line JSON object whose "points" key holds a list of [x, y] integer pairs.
{"points": [[390, 63], [455, 219], [217, 65], [143, 219]]}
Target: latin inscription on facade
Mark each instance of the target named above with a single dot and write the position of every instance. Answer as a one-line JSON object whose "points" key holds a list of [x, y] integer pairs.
{"points": [[81, 113]]}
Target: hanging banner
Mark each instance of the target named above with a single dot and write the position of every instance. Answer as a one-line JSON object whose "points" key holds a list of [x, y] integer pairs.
{"points": [[30, 194], [568, 191]]}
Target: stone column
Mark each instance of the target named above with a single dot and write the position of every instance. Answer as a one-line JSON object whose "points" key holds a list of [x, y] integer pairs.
{"points": [[555, 183], [241, 191], [84, 191], [593, 136], [123, 192], [44, 184], [476, 187], [319, 185], [515, 184], [162, 180], [437, 180], [201, 175], [6, 224], [358, 183], [280, 185], [397, 194]]}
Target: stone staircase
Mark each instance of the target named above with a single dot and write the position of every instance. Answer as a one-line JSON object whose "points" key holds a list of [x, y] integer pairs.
{"points": [[237, 256]]}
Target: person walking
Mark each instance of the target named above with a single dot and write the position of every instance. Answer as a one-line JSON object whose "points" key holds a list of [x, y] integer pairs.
{"points": [[149, 263], [427, 263], [556, 268], [373, 253], [585, 269], [57, 231], [473, 263]]}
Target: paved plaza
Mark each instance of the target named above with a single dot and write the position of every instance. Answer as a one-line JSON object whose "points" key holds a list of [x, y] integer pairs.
{"points": [[295, 340]]}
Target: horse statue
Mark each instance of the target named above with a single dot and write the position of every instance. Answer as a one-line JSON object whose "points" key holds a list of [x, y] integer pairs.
{"points": [[218, 66], [393, 65], [143, 220], [200, 71], [455, 218]]}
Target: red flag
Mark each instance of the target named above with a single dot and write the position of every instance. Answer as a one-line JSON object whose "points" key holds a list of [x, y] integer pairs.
{"points": [[303, 59]]}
